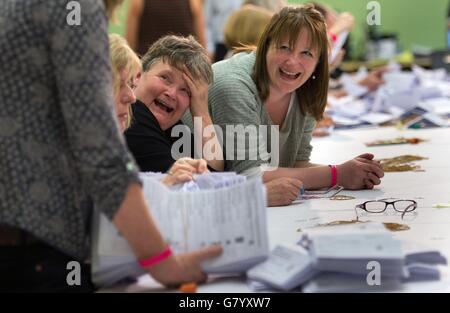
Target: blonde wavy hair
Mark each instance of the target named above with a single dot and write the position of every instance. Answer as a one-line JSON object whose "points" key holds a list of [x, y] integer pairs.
{"points": [[122, 58], [245, 26]]}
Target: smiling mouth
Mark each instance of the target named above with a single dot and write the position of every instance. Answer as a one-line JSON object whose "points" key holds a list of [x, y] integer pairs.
{"points": [[163, 105], [289, 75]]}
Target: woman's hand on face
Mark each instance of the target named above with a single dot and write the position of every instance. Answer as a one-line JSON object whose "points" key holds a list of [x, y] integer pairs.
{"points": [[183, 171], [199, 95], [361, 172]]}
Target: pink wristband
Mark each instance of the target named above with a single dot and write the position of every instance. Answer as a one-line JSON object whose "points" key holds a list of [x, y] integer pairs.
{"points": [[333, 175], [156, 259], [332, 36]]}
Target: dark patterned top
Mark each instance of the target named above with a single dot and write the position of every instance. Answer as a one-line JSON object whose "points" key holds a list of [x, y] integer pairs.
{"points": [[150, 145], [60, 147]]}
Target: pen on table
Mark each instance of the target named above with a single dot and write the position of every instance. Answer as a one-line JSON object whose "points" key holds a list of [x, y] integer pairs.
{"points": [[302, 191], [188, 288]]}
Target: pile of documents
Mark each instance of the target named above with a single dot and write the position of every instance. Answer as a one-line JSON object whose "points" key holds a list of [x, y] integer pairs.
{"points": [[215, 208], [357, 257], [417, 99]]}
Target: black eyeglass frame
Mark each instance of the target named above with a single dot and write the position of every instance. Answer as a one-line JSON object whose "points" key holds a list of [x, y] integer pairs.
{"points": [[362, 206]]}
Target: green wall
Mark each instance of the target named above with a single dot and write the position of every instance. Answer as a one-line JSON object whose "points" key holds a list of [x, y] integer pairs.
{"points": [[119, 26], [416, 22]]}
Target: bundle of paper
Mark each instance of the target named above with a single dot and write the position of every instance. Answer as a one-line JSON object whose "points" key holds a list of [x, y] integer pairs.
{"points": [[346, 250], [287, 267], [422, 263], [219, 211], [211, 181], [401, 163], [350, 258], [350, 248], [395, 141], [339, 282]]}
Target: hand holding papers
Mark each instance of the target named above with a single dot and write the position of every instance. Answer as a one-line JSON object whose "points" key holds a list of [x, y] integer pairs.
{"points": [[214, 209]]}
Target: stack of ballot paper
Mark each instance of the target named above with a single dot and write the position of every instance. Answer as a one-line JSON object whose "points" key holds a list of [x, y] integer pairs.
{"points": [[213, 209], [340, 282], [287, 267], [341, 258], [349, 248], [422, 263]]}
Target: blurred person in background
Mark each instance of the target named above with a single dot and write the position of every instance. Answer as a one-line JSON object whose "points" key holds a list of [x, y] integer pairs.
{"points": [[149, 20]]}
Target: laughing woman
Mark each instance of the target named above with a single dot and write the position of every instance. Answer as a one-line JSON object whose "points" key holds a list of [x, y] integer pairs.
{"points": [[175, 78], [283, 83], [126, 68]]}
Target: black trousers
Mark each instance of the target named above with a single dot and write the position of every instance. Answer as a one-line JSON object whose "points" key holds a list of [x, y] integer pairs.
{"points": [[38, 267]]}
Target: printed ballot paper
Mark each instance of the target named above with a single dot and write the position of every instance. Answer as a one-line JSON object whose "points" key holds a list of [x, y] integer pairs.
{"points": [[215, 208]]}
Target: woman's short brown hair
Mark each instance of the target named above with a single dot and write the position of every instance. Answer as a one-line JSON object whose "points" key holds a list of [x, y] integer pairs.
{"points": [[290, 22], [181, 53]]}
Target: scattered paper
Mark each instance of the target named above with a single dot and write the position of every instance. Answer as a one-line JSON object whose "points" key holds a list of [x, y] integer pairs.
{"points": [[395, 141], [376, 118], [320, 194], [342, 197], [387, 225], [401, 163], [441, 205]]}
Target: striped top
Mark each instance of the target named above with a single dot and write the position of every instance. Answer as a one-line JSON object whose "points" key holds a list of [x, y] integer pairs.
{"points": [[234, 100]]}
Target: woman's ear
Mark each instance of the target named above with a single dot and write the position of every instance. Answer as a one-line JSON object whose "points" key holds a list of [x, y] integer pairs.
{"points": [[138, 77]]}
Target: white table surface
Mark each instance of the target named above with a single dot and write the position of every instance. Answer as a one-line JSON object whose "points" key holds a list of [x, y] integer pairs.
{"points": [[430, 226]]}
